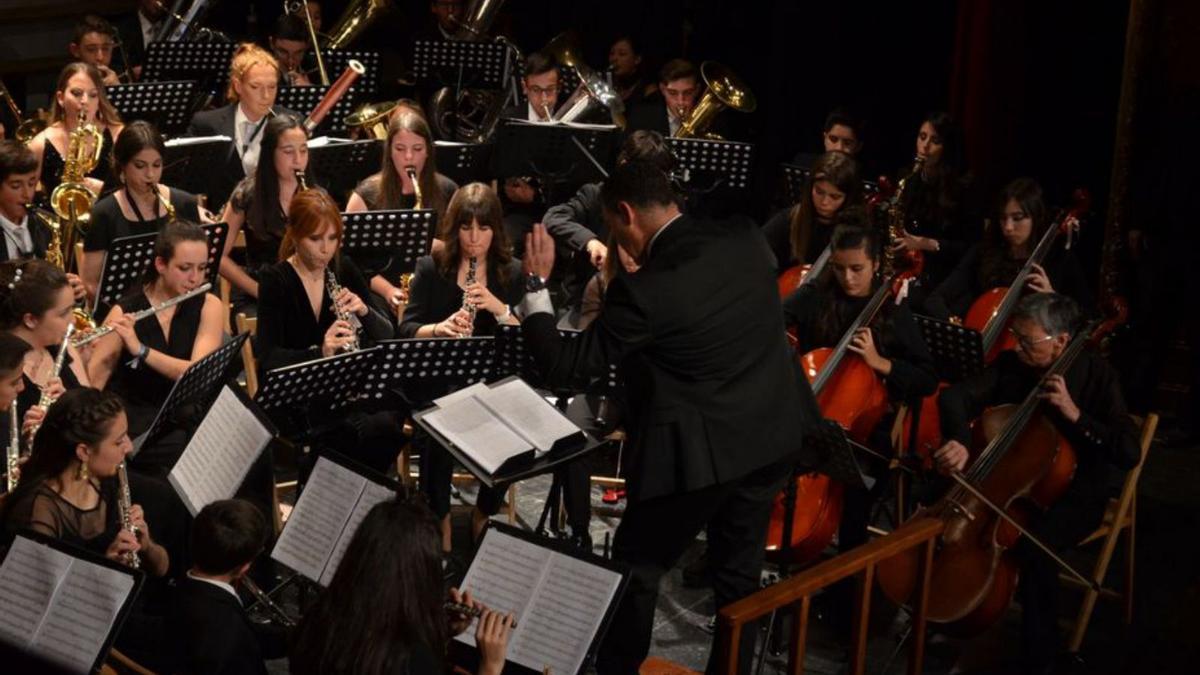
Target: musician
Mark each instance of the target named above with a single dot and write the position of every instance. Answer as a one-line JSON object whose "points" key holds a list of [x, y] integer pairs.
{"points": [[593, 293], [289, 42], [137, 206], [93, 44], [447, 17], [253, 83], [139, 29], [521, 200], [625, 64], [679, 90], [578, 225], [141, 361], [441, 296], [80, 90], [1087, 409], [698, 336], [798, 235], [261, 204], [842, 132], [314, 14], [12, 382], [299, 321], [409, 143], [1004, 250], [383, 611], [25, 234], [211, 631], [820, 314]]}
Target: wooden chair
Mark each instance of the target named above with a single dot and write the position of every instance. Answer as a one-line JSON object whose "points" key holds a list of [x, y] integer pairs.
{"points": [[1121, 516], [248, 324], [118, 663], [227, 288]]}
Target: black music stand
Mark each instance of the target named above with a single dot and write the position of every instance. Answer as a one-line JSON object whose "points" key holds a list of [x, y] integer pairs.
{"points": [[341, 165], [795, 180], [167, 105], [128, 258], [394, 239], [957, 350], [188, 165], [338, 378], [205, 62], [305, 99], [557, 154], [463, 162], [713, 164], [422, 369], [194, 392], [456, 64]]}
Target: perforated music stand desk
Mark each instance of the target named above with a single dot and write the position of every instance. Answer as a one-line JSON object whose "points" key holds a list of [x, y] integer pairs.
{"points": [[194, 392], [464, 162], [957, 350], [403, 235], [205, 62], [721, 164], [128, 258], [558, 154], [422, 369], [474, 65], [190, 166], [341, 165], [304, 99], [167, 105], [338, 379]]}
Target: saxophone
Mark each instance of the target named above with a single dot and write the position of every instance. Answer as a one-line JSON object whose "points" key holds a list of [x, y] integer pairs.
{"points": [[46, 400], [335, 289], [168, 208], [14, 447], [125, 505], [896, 216], [301, 180], [72, 200]]}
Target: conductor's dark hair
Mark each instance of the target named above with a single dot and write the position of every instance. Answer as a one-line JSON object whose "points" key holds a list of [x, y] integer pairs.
{"points": [[538, 63], [290, 27], [33, 291], [677, 69], [12, 353], [134, 138], [385, 600], [168, 239], [647, 146], [1054, 312], [847, 119], [226, 535], [640, 184], [849, 234], [16, 158]]}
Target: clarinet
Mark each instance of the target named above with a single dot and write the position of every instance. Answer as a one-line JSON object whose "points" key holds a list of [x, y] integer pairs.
{"points": [[335, 289], [125, 505], [467, 306], [46, 400], [14, 446]]}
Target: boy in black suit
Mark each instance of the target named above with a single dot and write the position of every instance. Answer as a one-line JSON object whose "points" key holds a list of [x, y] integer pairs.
{"points": [[24, 236], [213, 632]]}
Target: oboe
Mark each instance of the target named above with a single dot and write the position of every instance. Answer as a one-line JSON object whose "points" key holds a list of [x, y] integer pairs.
{"points": [[467, 610], [46, 400], [125, 505], [335, 289], [100, 332], [468, 306], [14, 446]]}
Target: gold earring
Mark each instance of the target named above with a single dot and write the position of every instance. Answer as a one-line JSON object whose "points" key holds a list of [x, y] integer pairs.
{"points": [[82, 473]]}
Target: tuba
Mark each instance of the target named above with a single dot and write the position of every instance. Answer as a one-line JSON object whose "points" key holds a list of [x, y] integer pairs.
{"points": [[371, 118], [722, 89], [593, 93], [358, 15]]}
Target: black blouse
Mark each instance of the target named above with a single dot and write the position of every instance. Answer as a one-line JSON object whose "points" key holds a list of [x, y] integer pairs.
{"points": [[951, 218], [53, 165], [262, 244], [44, 510], [144, 389], [108, 223], [433, 297], [778, 231]]}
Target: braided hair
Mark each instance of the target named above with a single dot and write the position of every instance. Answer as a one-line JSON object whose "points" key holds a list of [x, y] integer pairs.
{"points": [[28, 287]]}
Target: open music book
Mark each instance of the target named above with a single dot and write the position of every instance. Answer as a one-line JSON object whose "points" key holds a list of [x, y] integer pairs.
{"points": [[495, 424], [333, 503], [560, 601], [60, 607], [221, 451]]}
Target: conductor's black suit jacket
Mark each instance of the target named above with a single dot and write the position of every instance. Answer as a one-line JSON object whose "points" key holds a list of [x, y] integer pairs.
{"points": [[698, 335]]}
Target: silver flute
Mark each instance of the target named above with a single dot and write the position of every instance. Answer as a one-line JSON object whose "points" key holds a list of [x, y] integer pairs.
{"points": [[14, 447], [100, 332], [46, 400], [125, 504], [335, 289]]}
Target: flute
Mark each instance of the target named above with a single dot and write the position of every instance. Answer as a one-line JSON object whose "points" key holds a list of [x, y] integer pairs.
{"points": [[467, 610], [100, 332]]}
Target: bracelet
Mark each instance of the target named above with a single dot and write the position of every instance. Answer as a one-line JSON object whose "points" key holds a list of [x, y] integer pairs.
{"points": [[504, 317]]}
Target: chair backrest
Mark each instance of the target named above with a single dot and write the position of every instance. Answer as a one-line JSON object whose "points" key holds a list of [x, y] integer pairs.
{"points": [[1146, 438], [249, 324]]}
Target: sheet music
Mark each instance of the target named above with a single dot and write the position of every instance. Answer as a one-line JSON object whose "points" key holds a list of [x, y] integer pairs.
{"points": [[373, 493], [559, 601], [474, 389], [527, 413], [29, 578], [195, 140], [220, 453], [476, 431], [312, 531]]}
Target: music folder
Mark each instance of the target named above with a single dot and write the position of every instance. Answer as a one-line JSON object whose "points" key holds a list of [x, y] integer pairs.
{"points": [[503, 432], [61, 604], [562, 599]]}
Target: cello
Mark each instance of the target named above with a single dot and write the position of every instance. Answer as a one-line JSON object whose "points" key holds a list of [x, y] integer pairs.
{"points": [[798, 275], [1023, 465], [849, 392]]}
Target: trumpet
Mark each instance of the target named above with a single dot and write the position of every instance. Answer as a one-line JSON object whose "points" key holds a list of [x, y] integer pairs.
{"points": [[26, 128], [125, 505], [467, 610], [46, 400], [92, 336]]}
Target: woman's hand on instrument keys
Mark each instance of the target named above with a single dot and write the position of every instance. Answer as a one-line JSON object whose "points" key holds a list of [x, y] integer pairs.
{"points": [[491, 636], [123, 327], [124, 543], [77, 287], [54, 388], [350, 303], [33, 418], [951, 457], [1054, 392], [1037, 281], [481, 298], [338, 336], [863, 344], [137, 518], [457, 324], [912, 242], [460, 622]]}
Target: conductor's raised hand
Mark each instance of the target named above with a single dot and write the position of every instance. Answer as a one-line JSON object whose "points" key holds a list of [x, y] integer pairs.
{"points": [[539, 252], [491, 636]]}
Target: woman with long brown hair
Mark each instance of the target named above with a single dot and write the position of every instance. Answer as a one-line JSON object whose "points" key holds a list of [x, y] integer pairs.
{"points": [[797, 235]]}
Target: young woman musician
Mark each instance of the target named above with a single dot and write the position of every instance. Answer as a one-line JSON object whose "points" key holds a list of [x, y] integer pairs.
{"points": [[299, 318], [797, 235], [138, 206], [995, 261], [629, 78], [141, 361], [12, 383], [384, 611], [409, 145], [820, 314], [467, 288], [261, 203], [79, 93]]}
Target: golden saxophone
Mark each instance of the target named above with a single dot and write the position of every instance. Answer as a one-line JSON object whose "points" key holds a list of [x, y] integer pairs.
{"points": [[335, 289], [406, 278], [168, 208], [125, 505], [896, 226], [46, 400]]}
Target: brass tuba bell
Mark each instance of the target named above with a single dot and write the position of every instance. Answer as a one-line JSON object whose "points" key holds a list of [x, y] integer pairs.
{"points": [[358, 15], [722, 89], [372, 118], [593, 92]]}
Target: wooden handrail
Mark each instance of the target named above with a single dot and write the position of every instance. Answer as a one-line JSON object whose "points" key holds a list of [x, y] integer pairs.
{"points": [[798, 590]]}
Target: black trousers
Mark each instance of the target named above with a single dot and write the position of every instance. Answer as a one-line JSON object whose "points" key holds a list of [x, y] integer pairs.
{"points": [[654, 533]]}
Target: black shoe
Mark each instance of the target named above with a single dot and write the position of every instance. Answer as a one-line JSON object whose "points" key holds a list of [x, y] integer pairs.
{"points": [[696, 574]]}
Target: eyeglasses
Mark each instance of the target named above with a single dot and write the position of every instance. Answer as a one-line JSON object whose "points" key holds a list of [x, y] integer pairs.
{"points": [[1028, 343], [543, 91]]}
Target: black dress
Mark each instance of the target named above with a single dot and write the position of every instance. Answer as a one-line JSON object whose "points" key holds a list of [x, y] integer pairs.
{"points": [[778, 231], [53, 165], [108, 223], [262, 242]]}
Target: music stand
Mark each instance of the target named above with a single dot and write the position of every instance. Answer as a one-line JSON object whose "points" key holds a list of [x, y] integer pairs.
{"points": [[957, 350], [128, 258], [557, 154], [722, 163], [341, 165], [425, 368], [194, 392], [456, 64], [401, 235], [187, 165], [305, 99], [795, 180], [463, 162], [202, 61], [338, 377], [167, 105]]}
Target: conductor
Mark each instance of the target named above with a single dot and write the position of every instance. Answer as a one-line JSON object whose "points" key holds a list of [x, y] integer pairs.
{"points": [[715, 405]]}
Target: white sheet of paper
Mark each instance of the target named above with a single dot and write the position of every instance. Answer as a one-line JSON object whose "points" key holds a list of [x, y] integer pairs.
{"points": [[29, 578], [219, 454], [504, 576], [523, 409], [372, 494], [195, 140], [475, 430], [313, 529], [465, 392]]}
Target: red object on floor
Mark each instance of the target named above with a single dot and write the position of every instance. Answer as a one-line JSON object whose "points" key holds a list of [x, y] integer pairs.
{"points": [[613, 495]]}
